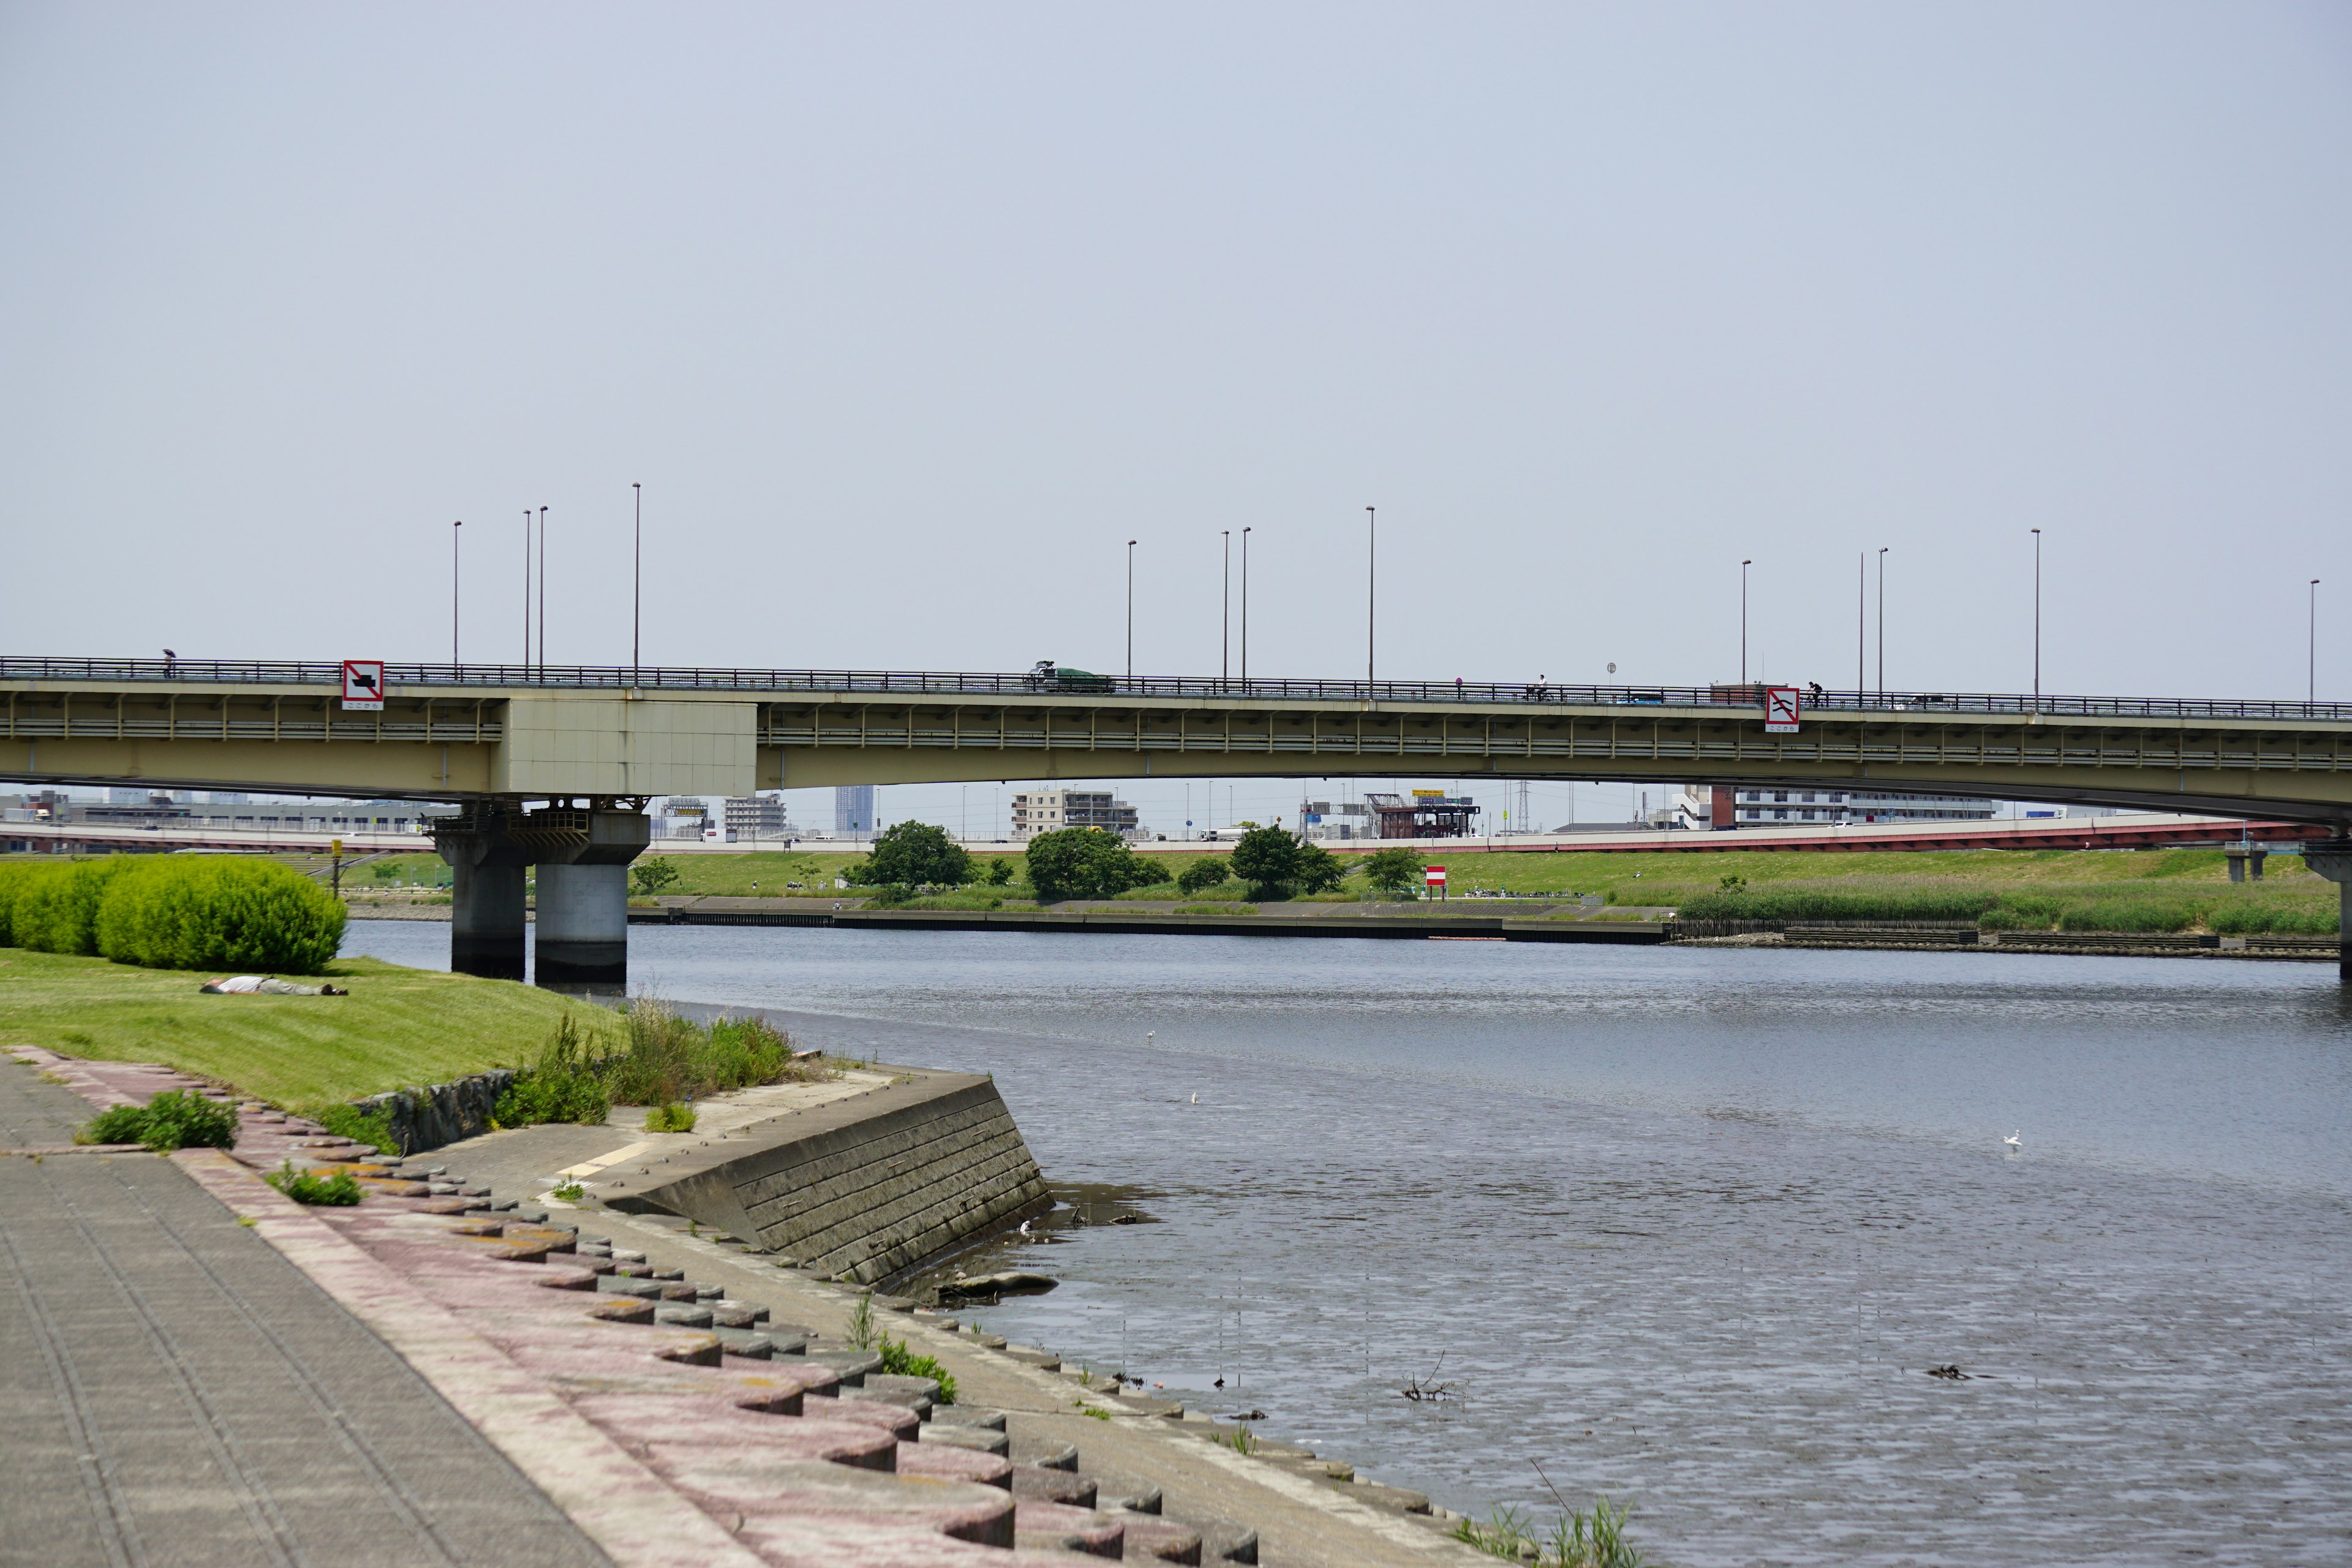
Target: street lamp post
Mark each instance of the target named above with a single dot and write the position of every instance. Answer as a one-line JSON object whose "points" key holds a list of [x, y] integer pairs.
{"points": [[2037, 621], [2311, 692], [1130, 609], [1743, 620], [1245, 533], [542, 590], [1882, 623], [454, 527], [636, 584], [526, 589], [1225, 616], [1371, 598], [1860, 617]]}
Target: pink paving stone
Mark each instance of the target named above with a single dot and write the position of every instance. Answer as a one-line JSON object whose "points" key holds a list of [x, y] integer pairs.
{"points": [[725, 1477], [1055, 1526], [820, 1543], [1156, 1540], [895, 1419], [637, 1420], [941, 1463]]}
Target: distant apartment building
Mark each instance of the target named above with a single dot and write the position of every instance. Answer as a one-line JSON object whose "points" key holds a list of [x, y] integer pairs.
{"points": [[1764, 808], [757, 817], [1050, 810], [853, 810]]}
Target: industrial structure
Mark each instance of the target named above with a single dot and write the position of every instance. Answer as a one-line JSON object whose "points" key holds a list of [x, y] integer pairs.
{"points": [[1425, 814]]}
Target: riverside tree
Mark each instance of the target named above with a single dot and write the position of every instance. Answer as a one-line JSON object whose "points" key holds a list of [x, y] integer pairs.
{"points": [[911, 854], [1393, 871], [1276, 865], [1084, 863], [1206, 872]]}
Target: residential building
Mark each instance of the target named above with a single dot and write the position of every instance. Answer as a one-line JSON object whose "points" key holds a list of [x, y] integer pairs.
{"points": [[1050, 810], [757, 817], [1763, 807]]}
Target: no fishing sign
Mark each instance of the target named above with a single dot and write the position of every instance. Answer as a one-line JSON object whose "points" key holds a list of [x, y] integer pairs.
{"points": [[1779, 709]]}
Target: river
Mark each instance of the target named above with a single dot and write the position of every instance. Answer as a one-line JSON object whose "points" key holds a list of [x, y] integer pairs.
{"points": [[1686, 1226]]}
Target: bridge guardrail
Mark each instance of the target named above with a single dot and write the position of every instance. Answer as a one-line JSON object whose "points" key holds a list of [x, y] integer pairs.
{"points": [[416, 679]]}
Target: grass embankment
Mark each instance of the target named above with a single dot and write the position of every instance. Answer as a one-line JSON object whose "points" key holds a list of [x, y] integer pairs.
{"points": [[398, 1027]]}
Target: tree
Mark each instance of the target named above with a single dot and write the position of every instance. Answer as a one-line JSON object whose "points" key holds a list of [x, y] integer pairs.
{"points": [[1084, 863], [1316, 869], [1000, 872], [909, 853], [1268, 859], [1393, 871], [650, 877], [1206, 872]]}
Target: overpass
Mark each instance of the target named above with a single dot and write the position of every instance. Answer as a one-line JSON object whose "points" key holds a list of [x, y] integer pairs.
{"points": [[594, 743]]}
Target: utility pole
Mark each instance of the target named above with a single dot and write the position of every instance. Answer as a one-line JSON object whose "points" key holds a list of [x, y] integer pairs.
{"points": [[1743, 620], [1861, 616], [542, 590], [526, 589], [1245, 533], [2311, 692], [1882, 623], [1372, 596], [636, 585], [1225, 620], [1130, 609], [2037, 621], [454, 529]]}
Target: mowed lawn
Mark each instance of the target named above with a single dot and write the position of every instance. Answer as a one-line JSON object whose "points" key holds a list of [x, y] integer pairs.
{"points": [[398, 1026]]}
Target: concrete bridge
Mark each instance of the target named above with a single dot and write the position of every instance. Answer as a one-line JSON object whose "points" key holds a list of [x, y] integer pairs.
{"points": [[593, 743]]}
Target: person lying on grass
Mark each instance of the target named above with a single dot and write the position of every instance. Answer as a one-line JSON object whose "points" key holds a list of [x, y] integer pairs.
{"points": [[248, 984]]}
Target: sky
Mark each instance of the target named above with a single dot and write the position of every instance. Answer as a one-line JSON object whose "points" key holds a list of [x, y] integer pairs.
{"points": [[906, 319]]}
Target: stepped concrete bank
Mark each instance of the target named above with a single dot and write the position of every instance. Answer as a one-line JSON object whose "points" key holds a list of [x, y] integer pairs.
{"points": [[859, 1189]]}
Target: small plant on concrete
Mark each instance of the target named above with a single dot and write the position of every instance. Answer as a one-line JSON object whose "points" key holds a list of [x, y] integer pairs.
{"points": [[568, 1192], [861, 1322], [175, 1119], [1506, 1534], [1242, 1441], [670, 1119], [372, 1128], [901, 1361], [1095, 1414], [336, 1191]]}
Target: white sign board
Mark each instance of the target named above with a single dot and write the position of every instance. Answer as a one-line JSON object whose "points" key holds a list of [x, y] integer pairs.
{"points": [[1779, 709], [1437, 875], [362, 685]]}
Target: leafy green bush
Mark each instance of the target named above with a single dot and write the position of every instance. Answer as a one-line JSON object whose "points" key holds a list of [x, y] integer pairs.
{"points": [[1206, 872], [218, 912], [55, 907], [372, 1128], [900, 1362], [175, 1119], [1084, 863], [1809, 904], [648, 877], [664, 1060], [1393, 871], [337, 1190], [913, 853], [564, 1085], [999, 872], [670, 1119]]}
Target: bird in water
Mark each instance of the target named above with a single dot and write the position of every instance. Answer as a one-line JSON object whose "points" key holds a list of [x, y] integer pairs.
{"points": [[2014, 1144], [1219, 1383], [1196, 1099], [1024, 1228]]}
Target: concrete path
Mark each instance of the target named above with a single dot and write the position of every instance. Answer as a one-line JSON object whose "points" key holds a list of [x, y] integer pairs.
{"points": [[174, 1390]]}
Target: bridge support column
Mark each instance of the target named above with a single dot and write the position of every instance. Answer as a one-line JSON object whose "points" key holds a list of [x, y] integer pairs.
{"points": [[583, 896], [486, 893], [2333, 860]]}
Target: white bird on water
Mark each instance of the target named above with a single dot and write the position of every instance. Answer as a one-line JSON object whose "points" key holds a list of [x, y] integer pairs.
{"points": [[2012, 1143], [1024, 1228], [1196, 1099]]}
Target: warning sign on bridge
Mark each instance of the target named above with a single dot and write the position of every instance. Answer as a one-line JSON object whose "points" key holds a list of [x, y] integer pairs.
{"points": [[1779, 709], [362, 685]]}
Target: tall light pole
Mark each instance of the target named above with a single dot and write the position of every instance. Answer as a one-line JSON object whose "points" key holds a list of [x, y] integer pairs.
{"points": [[2311, 692], [1245, 533], [542, 590], [2037, 621], [453, 588], [1225, 620], [1882, 623], [1371, 598], [526, 589], [1743, 620], [636, 584], [1130, 609], [1861, 615]]}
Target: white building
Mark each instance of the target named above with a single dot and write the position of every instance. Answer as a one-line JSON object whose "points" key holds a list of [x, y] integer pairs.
{"points": [[1760, 808], [1051, 810], [757, 817]]}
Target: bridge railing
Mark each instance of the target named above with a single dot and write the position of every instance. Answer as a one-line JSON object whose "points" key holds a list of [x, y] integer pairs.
{"points": [[416, 679]]}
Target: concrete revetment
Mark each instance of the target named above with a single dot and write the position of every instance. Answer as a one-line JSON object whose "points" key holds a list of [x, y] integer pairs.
{"points": [[582, 855]]}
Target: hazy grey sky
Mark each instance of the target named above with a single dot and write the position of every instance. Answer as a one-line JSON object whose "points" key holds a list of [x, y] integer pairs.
{"points": [[907, 319]]}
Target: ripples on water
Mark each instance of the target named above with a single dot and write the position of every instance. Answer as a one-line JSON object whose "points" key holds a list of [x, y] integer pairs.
{"points": [[1687, 1226]]}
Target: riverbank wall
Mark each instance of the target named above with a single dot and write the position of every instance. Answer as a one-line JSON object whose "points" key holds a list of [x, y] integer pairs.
{"points": [[858, 1189]]}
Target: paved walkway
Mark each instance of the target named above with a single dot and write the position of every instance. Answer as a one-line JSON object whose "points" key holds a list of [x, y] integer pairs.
{"points": [[174, 1390]]}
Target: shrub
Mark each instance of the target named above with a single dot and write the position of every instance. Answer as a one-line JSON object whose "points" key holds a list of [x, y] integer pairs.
{"points": [[1206, 872], [1316, 869], [56, 909], [564, 1085], [1084, 863], [650, 877], [175, 1119], [1393, 871], [372, 1128], [999, 872], [670, 1119], [217, 912], [339, 1190], [914, 853]]}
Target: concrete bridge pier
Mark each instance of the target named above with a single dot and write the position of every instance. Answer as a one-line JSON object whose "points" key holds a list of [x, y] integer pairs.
{"points": [[486, 893], [584, 897], [2333, 860]]}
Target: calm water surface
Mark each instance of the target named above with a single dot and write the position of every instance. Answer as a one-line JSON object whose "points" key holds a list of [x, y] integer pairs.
{"points": [[1685, 1225]]}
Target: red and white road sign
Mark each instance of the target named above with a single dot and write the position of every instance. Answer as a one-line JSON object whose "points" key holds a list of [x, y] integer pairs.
{"points": [[363, 686], [1437, 875], [1779, 709]]}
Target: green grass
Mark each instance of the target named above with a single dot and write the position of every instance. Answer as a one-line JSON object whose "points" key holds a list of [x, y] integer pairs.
{"points": [[339, 1189], [398, 1026]]}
